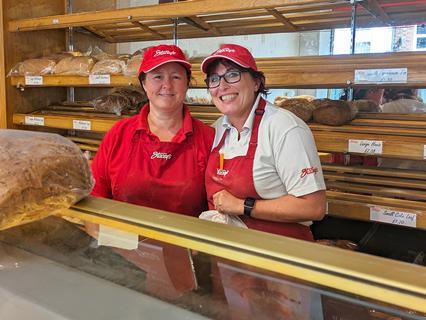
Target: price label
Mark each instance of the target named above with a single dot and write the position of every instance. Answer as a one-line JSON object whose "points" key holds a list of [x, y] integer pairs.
{"points": [[33, 80], [81, 125], [99, 79], [34, 121], [365, 146], [396, 75], [55, 21], [399, 218]]}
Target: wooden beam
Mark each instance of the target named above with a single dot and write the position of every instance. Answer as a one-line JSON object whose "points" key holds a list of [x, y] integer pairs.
{"points": [[286, 22], [200, 23], [148, 29], [100, 34], [372, 7]]}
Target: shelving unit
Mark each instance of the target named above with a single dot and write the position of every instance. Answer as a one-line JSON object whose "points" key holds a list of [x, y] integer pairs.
{"points": [[208, 18]]}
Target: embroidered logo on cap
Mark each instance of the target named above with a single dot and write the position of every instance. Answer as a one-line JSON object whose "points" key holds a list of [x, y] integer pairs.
{"points": [[307, 171], [164, 52], [161, 155], [222, 172], [225, 50]]}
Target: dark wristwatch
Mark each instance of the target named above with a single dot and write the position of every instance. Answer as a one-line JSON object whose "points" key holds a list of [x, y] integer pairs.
{"points": [[248, 206]]}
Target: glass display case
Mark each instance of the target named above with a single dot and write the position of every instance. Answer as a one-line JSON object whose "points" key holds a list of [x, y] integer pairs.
{"points": [[142, 263]]}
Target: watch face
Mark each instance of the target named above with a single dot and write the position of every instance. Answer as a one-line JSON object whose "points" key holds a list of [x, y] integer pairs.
{"points": [[249, 202]]}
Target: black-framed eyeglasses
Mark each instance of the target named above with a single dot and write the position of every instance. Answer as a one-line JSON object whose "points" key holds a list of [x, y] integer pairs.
{"points": [[231, 76]]}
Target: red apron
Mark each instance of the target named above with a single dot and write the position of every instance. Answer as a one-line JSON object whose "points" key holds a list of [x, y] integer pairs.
{"points": [[237, 178], [162, 175]]}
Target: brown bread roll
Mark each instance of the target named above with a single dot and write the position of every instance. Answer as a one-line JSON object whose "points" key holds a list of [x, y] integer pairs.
{"points": [[44, 173]]}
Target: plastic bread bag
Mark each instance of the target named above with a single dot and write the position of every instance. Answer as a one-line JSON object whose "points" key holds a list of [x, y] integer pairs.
{"points": [[40, 174], [80, 66], [108, 66], [216, 216], [136, 96], [112, 103], [33, 67]]}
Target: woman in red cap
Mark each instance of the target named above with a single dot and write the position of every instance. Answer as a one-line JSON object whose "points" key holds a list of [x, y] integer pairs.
{"points": [[157, 158], [264, 165]]}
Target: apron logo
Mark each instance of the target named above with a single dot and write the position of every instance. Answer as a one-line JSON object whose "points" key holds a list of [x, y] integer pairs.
{"points": [[161, 155], [222, 172], [307, 171]]}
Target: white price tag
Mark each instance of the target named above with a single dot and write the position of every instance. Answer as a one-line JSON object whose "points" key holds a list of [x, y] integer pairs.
{"points": [[400, 218], [81, 125], [33, 80], [55, 21], [365, 146], [396, 75], [99, 79], [34, 121]]}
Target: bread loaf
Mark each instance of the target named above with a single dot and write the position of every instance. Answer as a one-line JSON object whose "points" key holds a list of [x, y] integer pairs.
{"points": [[74, 66], [299, 106], [108, 66], [41, 174], [333, 112], [366, 105], [133, 64], [33, 67], [120, 101]]}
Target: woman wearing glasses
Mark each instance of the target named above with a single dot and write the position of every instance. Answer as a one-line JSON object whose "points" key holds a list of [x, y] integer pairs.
{"points": [[264, 166]]}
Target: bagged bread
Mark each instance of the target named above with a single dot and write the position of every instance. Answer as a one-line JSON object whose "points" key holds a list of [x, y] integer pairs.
{"points": [[135, 95], [333, 112], [108, 66], [33, 67], [40, 174], [300, 107], [80, 66], [132, 66]]}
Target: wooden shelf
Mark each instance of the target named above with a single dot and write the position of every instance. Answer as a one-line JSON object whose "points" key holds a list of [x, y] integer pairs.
{"points": [[358, 207], [207, 18], [294, 72], [61, 121]]}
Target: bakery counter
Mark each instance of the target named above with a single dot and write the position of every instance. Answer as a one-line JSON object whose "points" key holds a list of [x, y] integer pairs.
{"points": [[193, 269]]}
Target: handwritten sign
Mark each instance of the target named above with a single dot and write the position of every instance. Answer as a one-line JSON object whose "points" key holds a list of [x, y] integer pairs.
{"points": [[396, 75], [365, 146], [34, 121], [33, 80], [99, 79], [81, 125], [399, 218]]}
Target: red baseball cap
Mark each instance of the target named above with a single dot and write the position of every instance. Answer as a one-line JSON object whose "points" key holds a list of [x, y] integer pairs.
{"points": [[161, 54], [233, 52]]}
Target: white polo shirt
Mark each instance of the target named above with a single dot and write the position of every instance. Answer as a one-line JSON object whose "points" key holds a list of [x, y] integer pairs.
{"points": [[286, 159]]}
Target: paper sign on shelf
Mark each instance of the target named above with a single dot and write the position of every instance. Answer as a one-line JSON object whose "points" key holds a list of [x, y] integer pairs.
{"points": [[365, 146], [117, 238], [33, 80], [81, 125], [375, 76], [34, 121], [399, 218], [99, 79]]}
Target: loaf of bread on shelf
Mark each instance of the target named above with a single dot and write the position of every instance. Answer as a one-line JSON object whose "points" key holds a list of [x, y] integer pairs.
{"points": [[42, 174], [108, 66], [132, 66], [121, 101], [80, 66], [364, 105], [333, 112], [33, 67], [301, 107]]}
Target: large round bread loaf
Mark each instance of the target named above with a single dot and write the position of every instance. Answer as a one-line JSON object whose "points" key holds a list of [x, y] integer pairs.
{"points": [[300, 107], [333, 112], [366, 105], [40, 174]]}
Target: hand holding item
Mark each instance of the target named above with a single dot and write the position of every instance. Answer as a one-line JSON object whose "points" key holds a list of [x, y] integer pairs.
{"points": [[225, 202]]}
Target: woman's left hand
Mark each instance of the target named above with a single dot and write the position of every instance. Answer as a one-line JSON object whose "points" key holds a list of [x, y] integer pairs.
{"points": [[225, 202]]}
